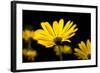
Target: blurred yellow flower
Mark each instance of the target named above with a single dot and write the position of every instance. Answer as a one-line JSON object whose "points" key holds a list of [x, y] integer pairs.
{"points": [[49, 35], [29, 54], [85, 50], [27, 34], [64, 49]]}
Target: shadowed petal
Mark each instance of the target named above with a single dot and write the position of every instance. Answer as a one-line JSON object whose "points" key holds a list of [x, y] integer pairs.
{"points": [[47, 44]]}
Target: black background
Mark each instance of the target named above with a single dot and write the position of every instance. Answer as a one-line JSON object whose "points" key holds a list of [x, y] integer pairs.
{"points": [[32, 20]]}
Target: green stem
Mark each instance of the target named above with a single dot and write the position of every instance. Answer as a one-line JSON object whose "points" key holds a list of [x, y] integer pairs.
{"points": [[60, 53], [29, 44]]}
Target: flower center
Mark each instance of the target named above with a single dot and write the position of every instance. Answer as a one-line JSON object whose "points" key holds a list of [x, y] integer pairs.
{"points": [[58, 40]]}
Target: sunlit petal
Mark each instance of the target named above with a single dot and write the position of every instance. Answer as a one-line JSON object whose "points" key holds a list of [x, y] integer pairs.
{"points": [[56, 28], [42, 34], [61, 24], [67, 26], [67, 37], [69, 33], [47, 27]]}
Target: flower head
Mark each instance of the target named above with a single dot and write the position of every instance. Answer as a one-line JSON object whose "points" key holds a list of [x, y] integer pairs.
{"points": [[27, 34], [29, 54], [84, 50], [49, 35]]}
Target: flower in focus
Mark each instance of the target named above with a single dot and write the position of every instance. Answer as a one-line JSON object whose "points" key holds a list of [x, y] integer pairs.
{"points": [[49, 35], [29, 54], [84, 50], [27, 34], [64, 49]]}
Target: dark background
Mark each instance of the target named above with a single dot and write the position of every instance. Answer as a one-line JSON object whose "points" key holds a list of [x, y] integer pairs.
{"points": [[32, 20]]}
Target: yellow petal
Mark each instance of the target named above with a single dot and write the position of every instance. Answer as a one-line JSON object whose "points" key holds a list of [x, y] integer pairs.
{"points": [[80, 56], [69, 36], [41, 34], [81, 48], [89, 46], [67, 26], [47, 28], [56, 28], [85, 50], [47, 44], [61, 24], [70, 31], [75, 29], [79, 51], [66, 40]]}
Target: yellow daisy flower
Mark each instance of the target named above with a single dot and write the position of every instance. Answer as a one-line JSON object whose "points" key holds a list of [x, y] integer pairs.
{"points": [[64, 49], [27, 34], [49, 35], [85, 50], [29, 54]]}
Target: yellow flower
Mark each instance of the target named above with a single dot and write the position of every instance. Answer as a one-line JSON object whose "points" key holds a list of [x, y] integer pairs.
{"points": [[29, 54], [27, 34], [49, 35], [85, 50], [64, 49]]}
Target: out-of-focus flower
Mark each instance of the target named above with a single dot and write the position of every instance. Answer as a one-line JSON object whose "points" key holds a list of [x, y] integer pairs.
{"points": [[30, 54], [27, 34], [64, 49], [84, 50]]}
